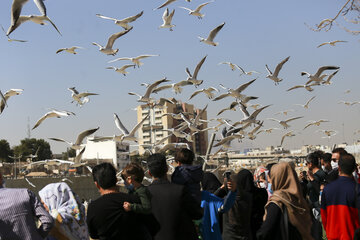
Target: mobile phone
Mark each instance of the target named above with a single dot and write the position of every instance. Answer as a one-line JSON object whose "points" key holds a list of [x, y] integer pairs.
{"points": [[227, 174]]}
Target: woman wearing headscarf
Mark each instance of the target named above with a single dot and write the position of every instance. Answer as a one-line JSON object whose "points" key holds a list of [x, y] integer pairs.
{"points": [[287, 215], [65, 207], [210, 182]]}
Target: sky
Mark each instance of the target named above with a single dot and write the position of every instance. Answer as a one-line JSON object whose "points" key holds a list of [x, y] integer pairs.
{"points": [[255, 33]]}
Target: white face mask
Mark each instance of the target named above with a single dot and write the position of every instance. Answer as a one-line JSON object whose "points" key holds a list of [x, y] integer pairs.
{"points": [[323, 168], [334, 164], [263, 185]]}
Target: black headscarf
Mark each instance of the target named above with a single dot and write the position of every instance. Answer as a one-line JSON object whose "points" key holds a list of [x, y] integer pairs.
{"points": [[210, 182], [245, 181]]}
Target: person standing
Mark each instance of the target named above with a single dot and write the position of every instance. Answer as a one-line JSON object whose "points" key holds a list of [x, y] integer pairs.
{"points": [[19, 207], [172, 204], [339, 202]]}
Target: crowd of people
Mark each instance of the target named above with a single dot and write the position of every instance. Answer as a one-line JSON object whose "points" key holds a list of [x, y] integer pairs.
{"points": [[274, 202]]}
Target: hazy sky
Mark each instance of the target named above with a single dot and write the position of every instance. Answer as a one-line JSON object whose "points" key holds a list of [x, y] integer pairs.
{"points": [[256, 33]]}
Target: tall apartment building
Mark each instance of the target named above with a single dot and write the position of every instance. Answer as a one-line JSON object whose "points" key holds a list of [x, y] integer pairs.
{"points": [[152, 129]]}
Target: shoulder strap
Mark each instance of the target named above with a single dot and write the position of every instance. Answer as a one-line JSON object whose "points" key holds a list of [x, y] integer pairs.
{"points": [[286, 224]]}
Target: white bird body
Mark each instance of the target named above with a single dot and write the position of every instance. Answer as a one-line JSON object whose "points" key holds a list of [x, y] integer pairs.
{"points": [[275, 76], [236, 93], [123, 22], [135, 60], [126, 135], [79, 140], [7, 95], [328, 80], [69, 50], [146, 97], [122, 69], [78, 96], [196, 11], [53, 113], [108, 49], [192, 78], [317, 77], [167, 18], [284, 122], [210, 39], [247, 119]]}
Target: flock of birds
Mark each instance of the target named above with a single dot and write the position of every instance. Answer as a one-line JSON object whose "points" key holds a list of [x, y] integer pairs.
{"points": [[249, 126]]}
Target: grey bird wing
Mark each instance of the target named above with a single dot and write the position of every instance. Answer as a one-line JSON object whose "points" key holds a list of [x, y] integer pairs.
{"points": [[221, 96], [324, 68], [197, 118], [215, 31], [53, 24], [165, 4], [196, 93], [310, 100], [240, 68], [279, 66], [308, 125], [331, 76], [60, 140], [84, 134], [104, 17], [268, 69], [42, 119], [156, 90], [292, 119], [201, 6], [41, 6], [198, 66], [244, 111], [132, 18], [119, 125], [295, 87], [188, 72], [256, 112], [79, 156], [244, 86], [115, 36], [85, 94], [60, 50], [16, 8], [133, 131], [153, 86]]}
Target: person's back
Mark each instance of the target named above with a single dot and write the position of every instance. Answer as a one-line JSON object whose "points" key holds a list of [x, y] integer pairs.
{"points": [[338, 202], [172, 205], [18, 210]]}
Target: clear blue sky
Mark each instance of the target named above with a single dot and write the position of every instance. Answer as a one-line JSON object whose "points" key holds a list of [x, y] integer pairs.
{"points": [[256, 33]]}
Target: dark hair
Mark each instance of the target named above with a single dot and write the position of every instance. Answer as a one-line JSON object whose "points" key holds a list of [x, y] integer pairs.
{"points": [[268, 167], [313, 158], [157, 165], [347, 163], [339, 150], [319, 153], [327, 157], [134, 170], [184, 156], [105, 175]]}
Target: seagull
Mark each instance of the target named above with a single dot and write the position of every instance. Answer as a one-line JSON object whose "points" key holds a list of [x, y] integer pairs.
{"points": [[167, 18], [210, 39], [16, 8], [327, 81], [347, 91], [196, 11], [35, 19], [69, 50], [146, 97], [122, 69], [231, 65], [249, 118], [176, 116], [53, 113], [328, 133], [11, 39], [226, 141], [348, 103], [246, 73], [123, 22], [179, 133], [317, 77], [7, 95], [66, 179], [331, 43], [306, 106], [288, 134], [284, 122], [269, 130], [126, 135], [3, 99], [274, 76], [315, 123], [135, 60], [165, 4], [255, 106], [196, 122], [79, 140], [207, 91], [108, 49], [175, 86], [231, 107], [30, 183], [284, 112], [236, 93], [160, 103], [78, 96], [252, 133], [192, 78], [31, 156], [77, 160], [307, 87]]}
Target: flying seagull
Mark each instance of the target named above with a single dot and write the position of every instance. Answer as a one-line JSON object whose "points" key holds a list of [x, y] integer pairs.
{"points": [[53, 113], [284, 112], [135, 60], [79, 139], [288, 134], [231, 107], [78, 96], [207, 91], [69, 50], [236, 93], [307, 87], [210, 39], [167, 18], [7, 95], [196, 11], [284, 122], [108, 49], [332, 43], [328, 80], [328, 133], [35, 19], [11, 39], [146, 97], [317, 77], [123, 22], [122, 69], [348, 103], [306, 106], [315, 123], [165, 4], [274, 76], [192, 78]]}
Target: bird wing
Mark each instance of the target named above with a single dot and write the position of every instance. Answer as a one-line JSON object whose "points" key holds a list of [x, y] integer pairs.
{"points": [[16, 8], [165, 4], [60, 50], [53, 24], [60, 140], [118, 59], [291, 119], [188, 9], [119, 125], [221, 96], [133, 131], [196, 93], [240, 68], [295, 87], [84, 134], [132, 18], [198, 66], [256, 112], [322, 69], [336, 41], [213, 32], [331, 76], [244, 86], [101, 16], [308, 125], [267, 68], [322, 44], [282, 139], [153, 86], [188, 72], [273, 119], [156, 90], [41, 6], [201, 6], [127, 66], [310, 100], [146, 56], [115, 36], [197, 118], [243, 110], [85, 94], [47, 115], [279, 66], [79, 156]]}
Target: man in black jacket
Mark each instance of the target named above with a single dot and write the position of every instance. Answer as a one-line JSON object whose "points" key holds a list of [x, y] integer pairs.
{"points": [[106, 217], [172, 205]]}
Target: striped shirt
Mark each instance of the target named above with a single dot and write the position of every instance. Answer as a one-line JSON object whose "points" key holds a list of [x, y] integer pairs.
{"points": [[19, 207]]}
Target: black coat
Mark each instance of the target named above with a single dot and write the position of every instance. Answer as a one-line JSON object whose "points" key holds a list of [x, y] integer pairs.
{"points": [[174, 208]]}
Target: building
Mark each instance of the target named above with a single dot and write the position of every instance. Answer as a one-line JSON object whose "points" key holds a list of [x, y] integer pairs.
{"points": [[153, 128], [107, 151]]}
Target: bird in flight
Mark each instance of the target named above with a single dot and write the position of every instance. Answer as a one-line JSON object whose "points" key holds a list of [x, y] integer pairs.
{"points": [[210, 39], [275, 76], [332, 43]]}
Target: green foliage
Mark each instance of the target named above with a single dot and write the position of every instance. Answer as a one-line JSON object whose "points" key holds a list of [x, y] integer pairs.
{"points": [[29, 146], [5, 151], [68, 154]]}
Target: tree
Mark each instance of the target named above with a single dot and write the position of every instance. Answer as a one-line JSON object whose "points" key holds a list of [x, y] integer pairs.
{"points": [[5, 151], [29, 146], [70, 152]]}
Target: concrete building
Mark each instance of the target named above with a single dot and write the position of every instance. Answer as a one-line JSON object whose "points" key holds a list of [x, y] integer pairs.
{"points": [[107, 151], [153, 128]]}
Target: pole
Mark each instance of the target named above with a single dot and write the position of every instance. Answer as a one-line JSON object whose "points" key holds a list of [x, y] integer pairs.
{"points": [[208, 150]]}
